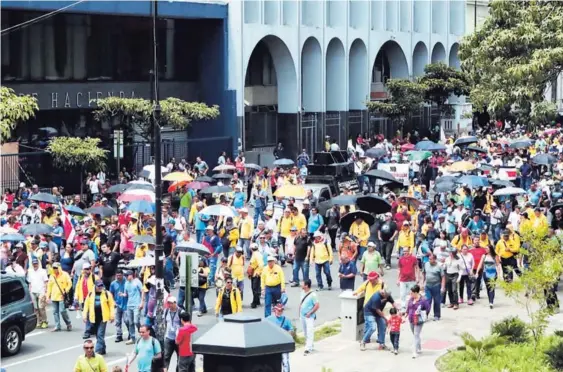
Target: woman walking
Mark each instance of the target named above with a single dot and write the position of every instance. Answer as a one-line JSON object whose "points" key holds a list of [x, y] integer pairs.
{"points": [[490, 265], [417, 313], [453, 270], [467, 279]]}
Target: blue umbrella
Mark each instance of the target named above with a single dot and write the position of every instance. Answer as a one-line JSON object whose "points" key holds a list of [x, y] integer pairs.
{"points": [[429, 146], [375, 153], [520, 144], [74, 210], [15, 237], [544, 159], [473, 181], [36, 229], [141, 206]]}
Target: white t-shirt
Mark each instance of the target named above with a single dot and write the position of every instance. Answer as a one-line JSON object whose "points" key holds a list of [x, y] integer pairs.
{"points": [[37, 280], [94, 186]]}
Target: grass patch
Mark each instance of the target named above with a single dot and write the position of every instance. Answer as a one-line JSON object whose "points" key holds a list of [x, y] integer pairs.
{"points": [[324, 331]]}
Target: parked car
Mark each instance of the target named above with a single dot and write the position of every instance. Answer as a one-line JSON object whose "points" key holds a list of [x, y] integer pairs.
{"points": [[18, 316]]}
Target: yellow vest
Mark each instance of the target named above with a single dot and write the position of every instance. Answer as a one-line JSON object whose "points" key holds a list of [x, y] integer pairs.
{"points": [[108, 307], [237, 266]]}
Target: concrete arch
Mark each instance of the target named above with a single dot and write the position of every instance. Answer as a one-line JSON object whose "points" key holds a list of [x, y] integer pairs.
{"points": [[357, 75], [311, 76], [454, 58], [286, 74], [419, 59], [438, 53], [335, 76], [390, 63]]}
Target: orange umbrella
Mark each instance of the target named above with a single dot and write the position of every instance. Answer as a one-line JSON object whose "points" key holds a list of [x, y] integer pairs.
{"points": [[177, 185]]}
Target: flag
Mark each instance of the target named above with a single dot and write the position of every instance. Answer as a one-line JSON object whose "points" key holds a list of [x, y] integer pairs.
{"points": [[70, 233]]}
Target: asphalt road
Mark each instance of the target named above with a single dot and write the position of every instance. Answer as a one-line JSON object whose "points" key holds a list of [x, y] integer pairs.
{"points": [[54, 352]]}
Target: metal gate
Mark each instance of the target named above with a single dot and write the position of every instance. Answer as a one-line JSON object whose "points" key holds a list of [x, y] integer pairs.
{"points": [[308, 125], [332, 126], [381, 125], [260, 129], [355, 120]]}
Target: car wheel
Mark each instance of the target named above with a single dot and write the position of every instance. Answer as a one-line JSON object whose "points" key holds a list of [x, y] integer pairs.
{"points": [[12, 341]]}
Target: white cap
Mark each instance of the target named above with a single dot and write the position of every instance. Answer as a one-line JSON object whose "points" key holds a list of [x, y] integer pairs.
{"points": [[22, 184], [371, 244], [171, 299], [86, 266], [209, 227], [243, 210], [271, 258], [239, 249], [317, 234]]}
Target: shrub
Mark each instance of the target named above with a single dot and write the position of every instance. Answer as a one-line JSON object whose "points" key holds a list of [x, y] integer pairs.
{"points": [[555, 355], [512, 329], [558, 333]]}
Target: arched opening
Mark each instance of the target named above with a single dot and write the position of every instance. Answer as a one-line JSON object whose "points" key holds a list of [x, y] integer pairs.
{"points": [[335, 88], [270, 90], [454, 58], [419, 59], [358, 87], [311, 92], [438, 53]]}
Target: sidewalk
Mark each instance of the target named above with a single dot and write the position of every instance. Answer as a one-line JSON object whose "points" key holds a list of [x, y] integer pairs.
{"points": [[337, 355]]}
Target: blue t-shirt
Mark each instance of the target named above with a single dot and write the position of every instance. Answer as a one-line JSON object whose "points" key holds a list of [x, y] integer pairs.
{"points": [[239, 199], [133, 289], [282, 322], [146, 350], [376, 302], [57, 239], [115, 288], [315, 221], [308, 303], [200, 221]]}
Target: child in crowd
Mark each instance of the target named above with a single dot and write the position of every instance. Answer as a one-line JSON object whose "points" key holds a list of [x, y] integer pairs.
{"points": [[395, 322]]}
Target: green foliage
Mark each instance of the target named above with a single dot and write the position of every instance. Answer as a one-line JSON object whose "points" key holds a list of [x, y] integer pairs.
{"points": [[512, 329], [13, 110], [137, 112], [558, 333], [321, 333], [479, 349], [555, 355], [71, 152], [515, 54], [440, 82], [543, 112]]}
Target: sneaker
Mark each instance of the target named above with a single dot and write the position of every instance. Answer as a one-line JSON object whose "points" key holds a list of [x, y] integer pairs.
{"points": [[470, 302], [436, 318], [382, 347], [306, 352], [491, 306], [330, 288], [395, 351], [85, 336], [130, 342], [72, 308], [319, 289], [69, 327], [44, 325], [200, 314], [119, 339], [414, 355], [295, 284], [362, 346], [461, 300], [55, 330]]}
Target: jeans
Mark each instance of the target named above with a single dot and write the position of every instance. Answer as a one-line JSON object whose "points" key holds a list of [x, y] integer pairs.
{"points": [[170, 348], [272, 294], [199, 234], [361, 251], [490, 287], [465, 281], [387, 251], [212, 270], [59, 308], [509, 265], [99, 329], [477, 286], [325, 266], [120, 317], [245, 244], [308, 325], [134, 319], [258, 212], [416, 329], [371, 323], [302, 266], [404, 290], [433, 294], [394, 336], [186, 364], [182, 297], [184, 212], [451, 288], [200, 294]]}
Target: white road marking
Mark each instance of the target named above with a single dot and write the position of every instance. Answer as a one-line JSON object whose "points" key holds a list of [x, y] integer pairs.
{"points": [[48, 354], [117, 361], [33, 334]]}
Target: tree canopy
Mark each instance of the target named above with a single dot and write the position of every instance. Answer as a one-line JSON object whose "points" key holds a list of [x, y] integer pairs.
{"points": [[516, 53], [137, 112], [70, 152], [13, 110], [441, 81]]}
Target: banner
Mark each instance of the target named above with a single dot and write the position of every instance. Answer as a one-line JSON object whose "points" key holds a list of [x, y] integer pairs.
{"points": [[399, 171], [505, 173]]}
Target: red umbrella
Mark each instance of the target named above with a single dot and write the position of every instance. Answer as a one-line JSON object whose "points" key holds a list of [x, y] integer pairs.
{"points": [[177, 185], [197, 185], [407, 147]]}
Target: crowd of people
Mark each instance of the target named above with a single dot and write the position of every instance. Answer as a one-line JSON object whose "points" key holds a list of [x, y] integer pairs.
{"points": [[458, 226]]}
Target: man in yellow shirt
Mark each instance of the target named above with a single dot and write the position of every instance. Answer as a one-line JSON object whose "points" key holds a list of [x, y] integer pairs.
{"points": [[360, 230], [298, 218], [539, 223], [236, 263], [321, 255], [405, 239], [273, 284], [246, 228], [507, 254], [59, 284], [254, 272]]}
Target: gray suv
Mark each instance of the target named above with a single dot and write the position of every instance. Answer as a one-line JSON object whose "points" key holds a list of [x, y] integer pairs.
{"points": [[18, 316]]}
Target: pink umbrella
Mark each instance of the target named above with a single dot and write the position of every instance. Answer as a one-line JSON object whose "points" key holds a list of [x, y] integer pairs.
{"points": [[549, 132], [198, 185], [407, 147], [133, 195]]}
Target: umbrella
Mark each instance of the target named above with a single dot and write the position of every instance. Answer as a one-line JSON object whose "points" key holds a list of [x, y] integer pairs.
{"points": [[502, 183], [50, 130], [410, 201], [36, 229], [291, 191], [149, 171], [477, 149], [222, 176], [132, 195], [544, 159], [445, 186], [141, 206], [253, 166], [177, 176], [224, 168], [473, 181], [446, 179], [344, 200], [144, 239], [381, 175], [429, 146], [462, 166], [419, 155], [192, 246], [142, 262], [216, 190], [375, 153], [140, 186], [462, 141], [7, 230], [197, 185], [373, 204], [139, 182], [74, 210], [407, 147], [521, 144], [102, 211], [43, 197], [15, 237], [177, 185], [219, 210], [485, 167], [346, 221], [205, 179], [283, 162], [509, 191], [119, 188], [556, 207]]}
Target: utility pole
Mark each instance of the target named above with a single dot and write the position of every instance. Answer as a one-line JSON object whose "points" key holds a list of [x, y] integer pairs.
{"points": [[159, 250], [475, 17]]}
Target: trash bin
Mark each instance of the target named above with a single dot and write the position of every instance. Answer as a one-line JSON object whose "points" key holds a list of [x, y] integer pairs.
{"points": [[352, 316], [243, 343]]}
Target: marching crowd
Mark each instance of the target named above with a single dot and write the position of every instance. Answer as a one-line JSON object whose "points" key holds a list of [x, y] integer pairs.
{"points": [[459, 225]]}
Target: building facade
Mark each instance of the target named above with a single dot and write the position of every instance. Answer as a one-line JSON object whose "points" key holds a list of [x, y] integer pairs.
{"points": [[305, 69]]}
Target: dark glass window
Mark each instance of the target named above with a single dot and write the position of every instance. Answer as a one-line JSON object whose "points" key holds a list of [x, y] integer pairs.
{"points": [[12, 291]]}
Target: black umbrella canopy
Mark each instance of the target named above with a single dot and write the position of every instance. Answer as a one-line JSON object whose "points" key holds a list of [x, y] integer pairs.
{"points": [[348, 220], [36, 229], [43, 197], [556, 207], [502, 183], [462, 141], [445, 186], [205, 179], [344, 200], [216, 190], [253, 166], [477, 149], [102, 211], [373, 204], [520, 144], [381, 175]]}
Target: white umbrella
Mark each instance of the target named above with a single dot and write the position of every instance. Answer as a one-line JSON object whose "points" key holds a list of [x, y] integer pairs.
{"points": [[141, 262], [509, 191], [150, 170], [219, 210], [224, 167], [140, 182]]}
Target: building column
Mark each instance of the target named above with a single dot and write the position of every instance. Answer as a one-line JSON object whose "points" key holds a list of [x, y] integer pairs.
{"points": [[169, 49]]}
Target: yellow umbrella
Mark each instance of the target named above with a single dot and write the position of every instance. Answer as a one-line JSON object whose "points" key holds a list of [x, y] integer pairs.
{"points": [[177, 176], [291, 191], [462, 166]]}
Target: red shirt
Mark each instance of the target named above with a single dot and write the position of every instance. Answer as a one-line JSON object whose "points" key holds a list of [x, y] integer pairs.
{"points": [[477, 254], [400, 218], [407, 268], [184, 340], [85, 287], [395, 322]]}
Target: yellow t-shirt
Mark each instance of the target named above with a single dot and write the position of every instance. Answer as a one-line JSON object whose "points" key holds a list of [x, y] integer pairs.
{"points": [[272, 277], [237, 266]]}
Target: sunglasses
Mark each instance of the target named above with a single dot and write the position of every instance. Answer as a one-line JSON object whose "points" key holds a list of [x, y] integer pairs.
{"points": [[88, 347], [229, 282]]}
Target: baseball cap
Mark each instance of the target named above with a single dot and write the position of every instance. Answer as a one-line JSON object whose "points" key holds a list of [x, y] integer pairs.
{"points": [[56, 265], [171, 300], [243, 210], [209, 227], [371, 244], [318, 234], [86, 266], [239, 249], [34, 260], [271, 258]]}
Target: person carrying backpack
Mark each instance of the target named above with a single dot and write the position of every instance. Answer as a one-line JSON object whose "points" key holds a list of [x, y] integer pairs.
{"points": [[147, 351], [321, 255], [99, 309]]}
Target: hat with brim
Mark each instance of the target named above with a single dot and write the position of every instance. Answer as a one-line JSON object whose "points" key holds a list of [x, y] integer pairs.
{"points": [[373, 275], [271, 258]]}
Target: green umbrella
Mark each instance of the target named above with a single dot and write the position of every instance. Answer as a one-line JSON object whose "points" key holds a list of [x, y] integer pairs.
{"points": [[419, 155]]}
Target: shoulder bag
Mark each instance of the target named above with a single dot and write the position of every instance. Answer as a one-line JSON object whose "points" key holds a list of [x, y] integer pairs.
{"points": [[66, 296]]}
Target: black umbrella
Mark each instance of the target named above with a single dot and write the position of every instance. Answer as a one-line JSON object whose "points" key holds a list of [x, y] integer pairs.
{"points": [[140, 186], [204, 179], [36, 229], [102, 211], [119, 188], [449, 179], [485, 167], [462, 141], [373, 204], [348, 220], [344, 200], [216, 190], [544, 159], [502, 183], [556, 207], [381, 175], [43, 197], [222, 176], [477, 149], [375, 153], [143, 239], [191, 246], [253, 166], [445, 186]]}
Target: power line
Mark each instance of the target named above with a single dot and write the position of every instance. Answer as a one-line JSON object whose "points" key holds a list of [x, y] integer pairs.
{"points": [[38, 19]]}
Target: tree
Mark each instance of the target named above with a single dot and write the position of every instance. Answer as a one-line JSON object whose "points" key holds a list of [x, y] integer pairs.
{"points": [[135, 113], [405, 99], [441, 82], [13, 110], [516, 53]]}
